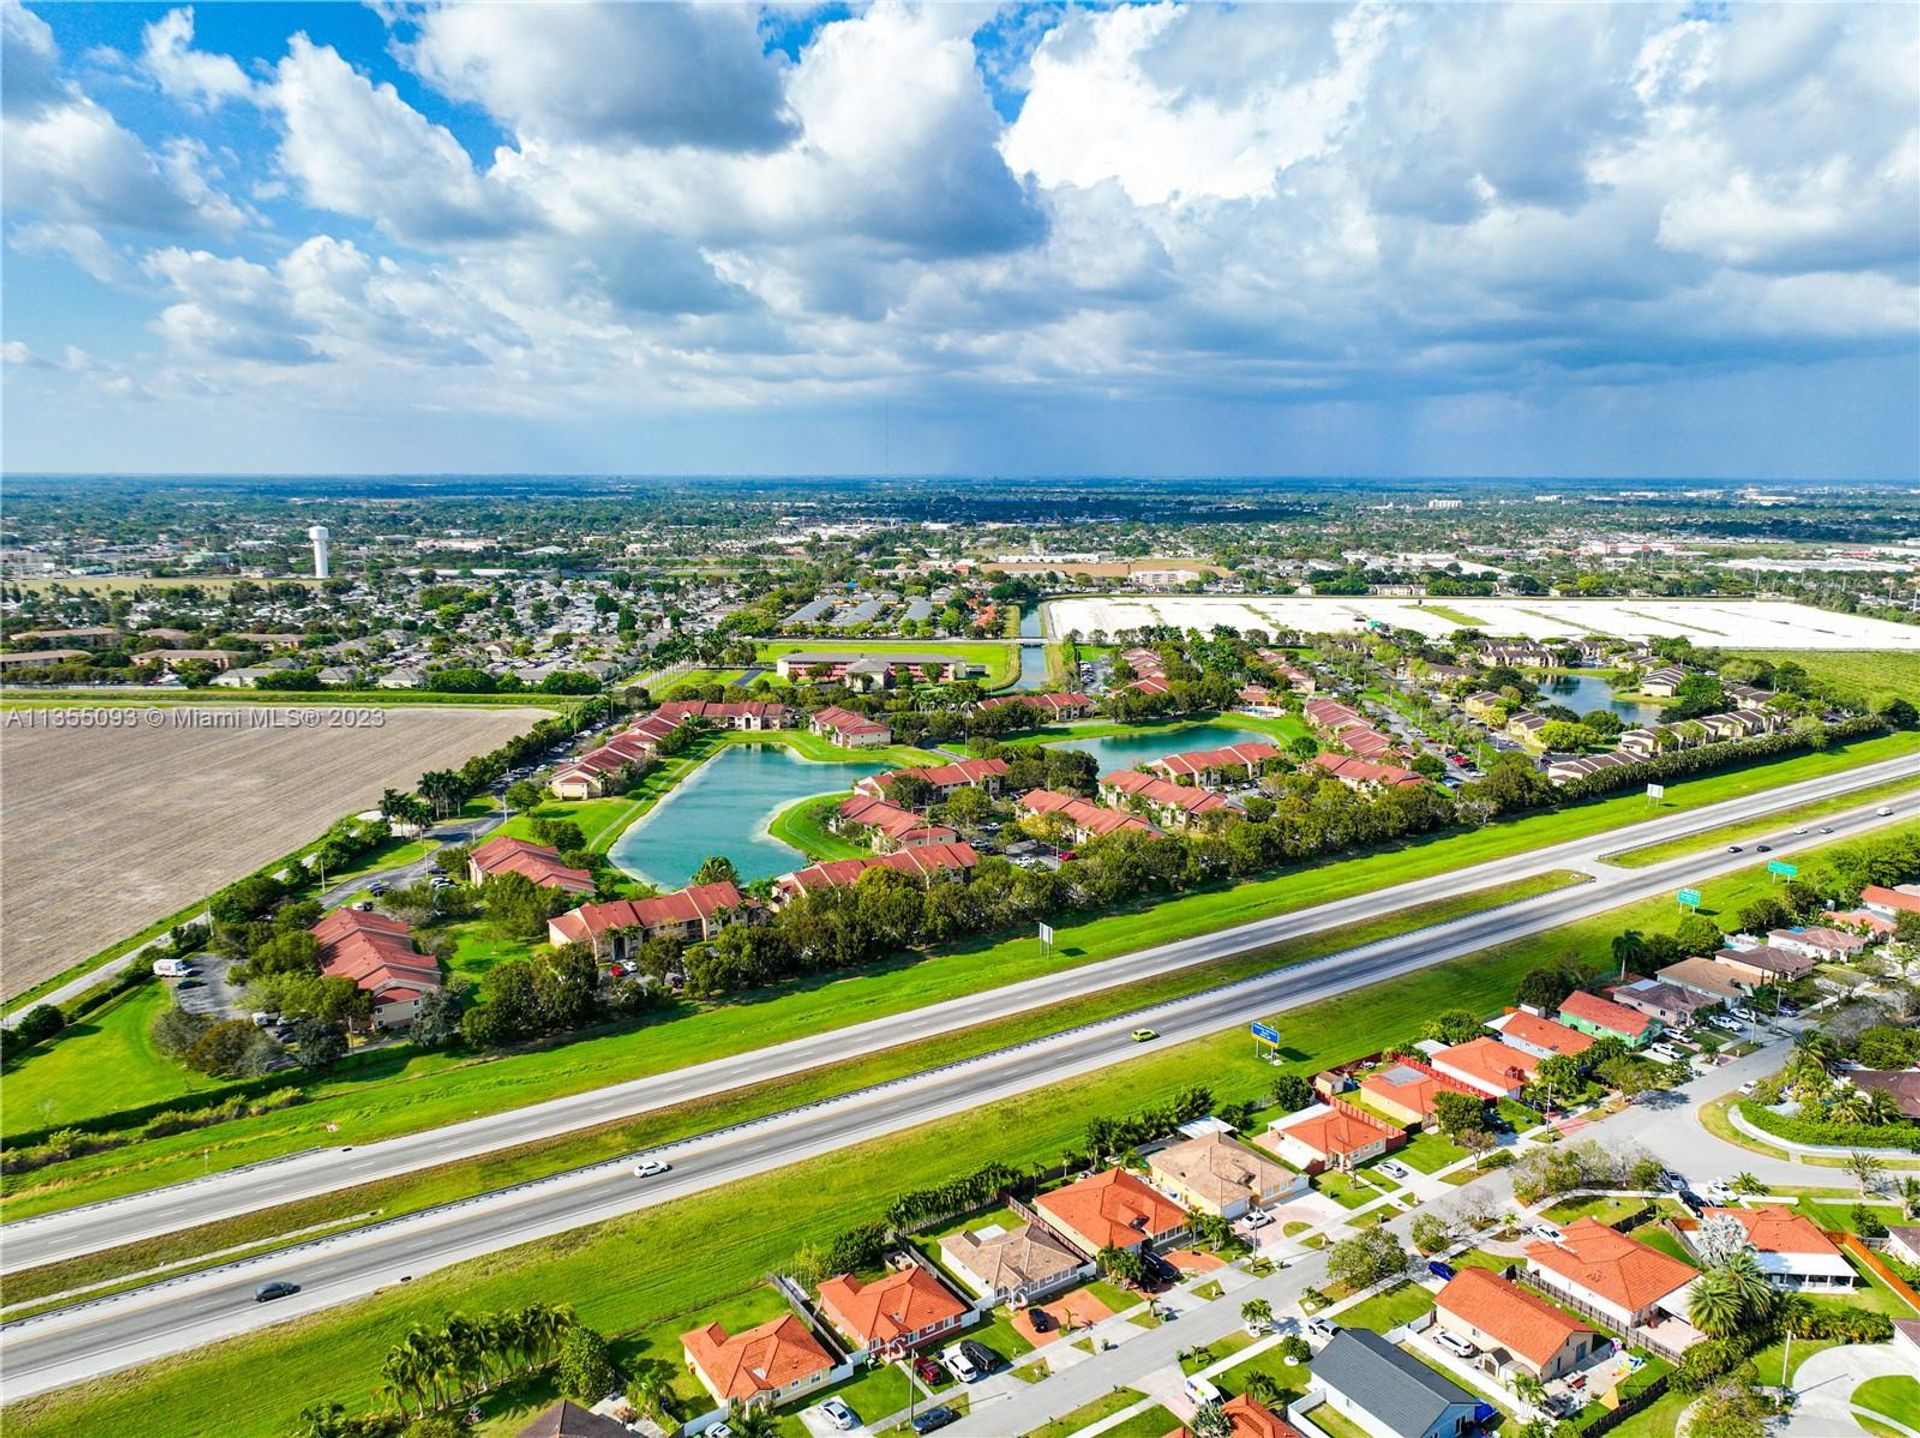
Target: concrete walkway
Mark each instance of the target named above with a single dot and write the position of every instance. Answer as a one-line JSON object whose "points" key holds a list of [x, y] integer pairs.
{"points": [[1825, 1383]]}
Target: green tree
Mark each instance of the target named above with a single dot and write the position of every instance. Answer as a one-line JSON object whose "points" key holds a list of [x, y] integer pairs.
{"points": [[716, 869]]}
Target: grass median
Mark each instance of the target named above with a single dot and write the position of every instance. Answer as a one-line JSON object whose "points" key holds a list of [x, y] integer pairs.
{"points": [[1781, 823], [404, 1091], [416, 1191], [646, 1278]]}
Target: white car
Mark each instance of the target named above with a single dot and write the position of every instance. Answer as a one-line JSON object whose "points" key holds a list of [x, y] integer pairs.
{"points": [[1394, 1169], [840, 1416], [1259, 1218], [1544, 1230], [1455, 1344], [1749, 1086], [959, 1365], [650, 1168]]}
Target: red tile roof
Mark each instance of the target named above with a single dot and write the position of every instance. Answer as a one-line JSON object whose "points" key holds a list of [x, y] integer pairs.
{"points": [[1249, 1419], [1604, 1013], [376, 952], [1163, 792], [1095, 819], [1877, 896], [1364, 771], [1112, 1208], [1778, 1229], [1546, 1034], [845, 721], [924, 861], [502, 855], [696, 902], [1606, 1262], [1512, 1317], [779, 1352], [1489, 1061], [1340, 1131], [906, 1301], [1196, 762]]}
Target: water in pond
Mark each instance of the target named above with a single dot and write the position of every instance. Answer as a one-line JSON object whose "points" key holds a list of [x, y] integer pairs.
{"points": [[1033, 667], [1584, 693], [1127, 751], [724, 807]]}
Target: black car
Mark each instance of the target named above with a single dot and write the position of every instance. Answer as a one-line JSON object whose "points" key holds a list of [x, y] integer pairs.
{"points": [[1042, 1321], [979, 1355], [267, 1292], [1158, 1269], [933, 1419]]}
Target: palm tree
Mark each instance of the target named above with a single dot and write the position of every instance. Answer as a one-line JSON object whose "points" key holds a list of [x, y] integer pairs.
{"points": [[419, 1362], [1263, 1387], [755, 1422], [322, 1421], [464, 1355], [1910, 1195], [1816, 1044], [1866, 1169], [1716, 1306], [1256, 1311], [1743, 1277], [1629, 949], [1882, 1108]]}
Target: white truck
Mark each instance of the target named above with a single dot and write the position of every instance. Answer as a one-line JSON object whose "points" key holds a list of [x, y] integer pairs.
{"points": [[171, 968]]}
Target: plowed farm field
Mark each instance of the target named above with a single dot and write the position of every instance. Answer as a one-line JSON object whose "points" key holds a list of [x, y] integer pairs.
{"points": [[106, 830]]}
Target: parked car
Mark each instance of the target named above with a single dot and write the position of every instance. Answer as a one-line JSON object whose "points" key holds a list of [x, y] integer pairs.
{"points": [[1442, 1271], [934, 1419], [839, 1415], [650, 1168], [267, 1292], [959, 1365], [1393, 1168], [1455, 1344], [376, 889], [1540, 1228], [1259, 1218], [929, 1372], [1042, 1321], [1158, 1269], [1671, 1181], [1323, 1328], [979, 1355]]}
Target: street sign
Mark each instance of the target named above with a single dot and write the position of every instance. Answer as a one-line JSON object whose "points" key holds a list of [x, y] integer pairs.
{"points": [[1782, 871], [1689, 897], [1265, 1031], [1046, 933], [1656, 791]]}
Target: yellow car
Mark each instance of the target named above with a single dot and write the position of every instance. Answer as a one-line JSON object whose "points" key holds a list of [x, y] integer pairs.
{"points": [[1141, 1036]]}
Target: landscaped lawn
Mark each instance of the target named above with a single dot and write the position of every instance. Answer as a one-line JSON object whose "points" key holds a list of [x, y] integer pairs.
{"points": [[1894, 1396], [1333, 1423], [1000, 1336], [1154, 1422], [1002, 660], [803, 825], [1344, 1189], [874, 1394], [1609, 1210], [1429, 1152], [1088, 1414], [1389, 1309], [1656, 1237]]}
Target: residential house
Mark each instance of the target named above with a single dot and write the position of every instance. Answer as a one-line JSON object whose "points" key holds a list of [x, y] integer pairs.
{"points": [[927, 863], [1045, 707], [1663, 683], [946, 779], [1760, 964], [1089, 820], [910, 1305], [616, 929], [1330, 1135], [1891, 903], [609, 768], [1497, 1070], [1388, 1392], [1543, 1038], [776, 1362], [1902, 1084], [1483, 702], [1495, 653], [1330, 715], [1622, 1281], [538, 862], [1173, 806], [1018, 1265], [1673, 1006], [877, 670], [567, 1419], [1817, 942], [1213, 1174], [242, 677], [1111, 1209], [376, 952], [887, 826], [1903, 1243], [1364, 774], [848, 730], [1579, 766], [747, 715], [35, 658], [1217, 768], [1526, 726], [1405, 1090], [1518, 1330], [1748, 697], [86, 636], [1600, 1017], [174, 658], [403, 676], [1705, 977], [1793, 1253], [1248, 1419]]}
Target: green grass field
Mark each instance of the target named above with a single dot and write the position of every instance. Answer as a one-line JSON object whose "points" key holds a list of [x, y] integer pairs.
{"points": [[1767, 827], [1894, 1396], [803, 825], [639, 1277], [1858, 676]]}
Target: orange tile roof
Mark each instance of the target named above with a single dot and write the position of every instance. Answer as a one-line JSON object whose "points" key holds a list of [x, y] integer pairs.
{"points": [[1519, 1322], [1605, 1013], [779, 1352], [1112, 1208], [538, 862], [1249, 1419], [1490, 1061], [1546, 1034], [1606, 1262], [1413, 1086], [904, 1302], [1340, 1131], [1778, 1229]]}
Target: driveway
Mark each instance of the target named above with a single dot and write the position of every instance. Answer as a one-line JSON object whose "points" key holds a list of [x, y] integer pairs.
{"points": [[1825, 1383]]}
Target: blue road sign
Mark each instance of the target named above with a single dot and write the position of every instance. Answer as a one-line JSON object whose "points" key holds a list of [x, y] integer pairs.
{"points": [[1265, 1031]]}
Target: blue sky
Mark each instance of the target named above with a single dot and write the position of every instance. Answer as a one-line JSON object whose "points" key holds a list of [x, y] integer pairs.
{"points": [[1633, 240]]}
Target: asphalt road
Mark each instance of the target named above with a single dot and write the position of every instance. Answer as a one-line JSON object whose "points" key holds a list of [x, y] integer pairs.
{"points": [[33, 1242], [118, 1331]]}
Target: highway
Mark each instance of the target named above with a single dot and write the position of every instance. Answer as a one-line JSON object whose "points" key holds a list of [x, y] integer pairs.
{"points": [[32, 1242], [118, 1331]]}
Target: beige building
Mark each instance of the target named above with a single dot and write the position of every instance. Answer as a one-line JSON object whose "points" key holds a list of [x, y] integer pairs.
{"points": [[1018, 1265], [1213, 1174]]}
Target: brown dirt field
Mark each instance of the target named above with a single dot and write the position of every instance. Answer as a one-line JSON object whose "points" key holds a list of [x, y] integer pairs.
{"points": [[108, 830]]}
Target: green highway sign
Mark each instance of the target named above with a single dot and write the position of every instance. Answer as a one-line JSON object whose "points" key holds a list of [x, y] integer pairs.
{"points": [[1782, 871], [1690, 897]]}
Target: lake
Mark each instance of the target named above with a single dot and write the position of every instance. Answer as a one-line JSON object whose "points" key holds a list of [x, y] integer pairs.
{"points": [[724, 807], [1127, 751], [1584, 693]]}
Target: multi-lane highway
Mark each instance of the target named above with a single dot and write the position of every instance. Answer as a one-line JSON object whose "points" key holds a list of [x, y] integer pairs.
{"points": [[32, 1242], [121, 1330]]}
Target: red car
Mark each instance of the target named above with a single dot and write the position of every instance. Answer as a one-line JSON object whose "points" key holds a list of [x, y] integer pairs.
{"points": [[929, 1372]]}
